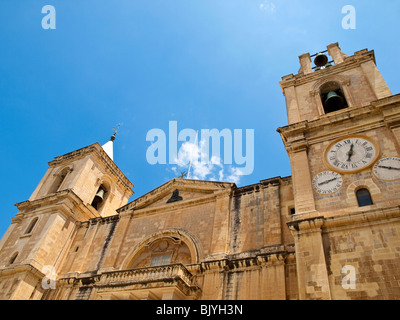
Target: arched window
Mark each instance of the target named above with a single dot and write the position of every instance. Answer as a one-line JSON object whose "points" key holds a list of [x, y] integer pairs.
{"points": [[58, 180], [31, 225], [364, 197], [332, 97], [162, 251], [14, 256]]}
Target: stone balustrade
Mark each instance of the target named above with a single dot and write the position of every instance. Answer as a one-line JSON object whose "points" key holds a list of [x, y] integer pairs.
{"points": [[149, 274]]}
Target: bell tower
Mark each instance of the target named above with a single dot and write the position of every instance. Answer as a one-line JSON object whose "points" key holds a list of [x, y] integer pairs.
{"points": [[343, 143], [77, 186], [331, 97]]}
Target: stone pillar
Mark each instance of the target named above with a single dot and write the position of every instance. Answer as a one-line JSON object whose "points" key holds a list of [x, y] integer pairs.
{"points": [[220, 233], [292, 106], [375, 80], [213, 280], [312, 271], [396, 133], [305, 64], [336, 53], [272, 275], [302, 181]]}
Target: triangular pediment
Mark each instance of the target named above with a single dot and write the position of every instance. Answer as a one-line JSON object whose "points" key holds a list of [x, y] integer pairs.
{"points": [[178, 192]]}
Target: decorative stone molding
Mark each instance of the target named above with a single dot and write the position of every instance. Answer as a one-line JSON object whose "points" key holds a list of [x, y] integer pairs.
{"points": [[306, 226], [190, 240], [360, 219], [294, 137], [65, 202]]}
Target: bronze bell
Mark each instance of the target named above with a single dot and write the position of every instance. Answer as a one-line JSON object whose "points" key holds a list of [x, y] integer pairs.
{"points": [[98, 198], [100, 194], [334, 101], [320, 60]]}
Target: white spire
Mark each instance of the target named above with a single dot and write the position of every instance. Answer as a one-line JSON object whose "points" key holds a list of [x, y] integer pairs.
{"points": [[109, 146]]}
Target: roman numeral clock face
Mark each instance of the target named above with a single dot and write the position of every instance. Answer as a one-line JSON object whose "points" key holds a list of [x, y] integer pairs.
{"points": [[327, 182], [387, 169], [352, 154]]}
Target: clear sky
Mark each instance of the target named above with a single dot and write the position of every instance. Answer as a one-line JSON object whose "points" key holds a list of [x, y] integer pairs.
{"points": [[206, 64]]}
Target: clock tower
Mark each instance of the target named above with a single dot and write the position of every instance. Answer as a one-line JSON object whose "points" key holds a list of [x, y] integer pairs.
{"points": [[343, 143]]}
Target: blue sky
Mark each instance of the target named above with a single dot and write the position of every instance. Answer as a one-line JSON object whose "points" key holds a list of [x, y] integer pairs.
{"points": [[205, 64]]}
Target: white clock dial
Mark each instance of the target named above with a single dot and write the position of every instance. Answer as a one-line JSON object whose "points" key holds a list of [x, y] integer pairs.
{"points": [[387, 169], [327, 182], [351, 154]]}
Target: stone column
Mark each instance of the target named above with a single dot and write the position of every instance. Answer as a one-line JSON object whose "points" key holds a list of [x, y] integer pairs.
{"points": [[375, 80], [312, 271], [220, 233], [305, 63], [302, 181], [336, 53]]}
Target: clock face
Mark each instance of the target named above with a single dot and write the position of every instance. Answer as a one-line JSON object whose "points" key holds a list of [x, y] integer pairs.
{"points": [[387, 169], [327, 182], [351, 154]]}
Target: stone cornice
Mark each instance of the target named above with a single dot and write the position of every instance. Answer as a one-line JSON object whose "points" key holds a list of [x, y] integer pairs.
{"points": [[12, 270], [379, 113], [100, 220], [173, 206], [390, 110], [345, 221], [66, 202], [306, 225], [349, 63], [254, 261], [358, 220], [211, 188], [266, 183]]}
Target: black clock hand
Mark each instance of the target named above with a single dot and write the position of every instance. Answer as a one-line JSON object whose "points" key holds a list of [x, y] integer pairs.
{"points": [[350, 153], [327, 181], [390, 168]]}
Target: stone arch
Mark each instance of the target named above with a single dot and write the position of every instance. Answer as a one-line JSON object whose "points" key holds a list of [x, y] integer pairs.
{"points": [[105, 183], [31, 225], [340, 79], [175, 234], [361, 184], [59, 178], [13, 258], [343, 83]]}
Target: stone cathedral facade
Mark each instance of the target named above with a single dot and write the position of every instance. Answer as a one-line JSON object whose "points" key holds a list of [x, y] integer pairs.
{"points": [[330, 231]]}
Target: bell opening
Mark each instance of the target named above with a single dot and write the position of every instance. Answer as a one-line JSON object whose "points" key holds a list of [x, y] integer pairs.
{"points": [[98, 198]]}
